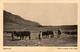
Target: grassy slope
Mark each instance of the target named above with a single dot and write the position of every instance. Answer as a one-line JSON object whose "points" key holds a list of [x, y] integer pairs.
{"points": [[14, 21]]}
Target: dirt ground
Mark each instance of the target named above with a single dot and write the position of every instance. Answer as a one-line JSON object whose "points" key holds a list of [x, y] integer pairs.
{"points": [[64, 40]]}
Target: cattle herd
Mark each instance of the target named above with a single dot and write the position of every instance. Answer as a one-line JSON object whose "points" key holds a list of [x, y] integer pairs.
{"points": [[24, 34]]}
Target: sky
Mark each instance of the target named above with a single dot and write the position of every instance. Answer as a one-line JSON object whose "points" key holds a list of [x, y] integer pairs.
{"points": [[45, 13]]}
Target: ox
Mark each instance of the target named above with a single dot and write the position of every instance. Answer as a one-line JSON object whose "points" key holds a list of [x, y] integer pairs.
{"points": [[46, 34], [22, 34]]}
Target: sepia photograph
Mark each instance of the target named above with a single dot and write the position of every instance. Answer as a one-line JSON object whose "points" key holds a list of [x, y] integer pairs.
{"points": [[40, 24]]}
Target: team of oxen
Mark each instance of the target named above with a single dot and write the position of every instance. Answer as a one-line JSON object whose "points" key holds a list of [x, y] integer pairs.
{"points": [[27, 34]]}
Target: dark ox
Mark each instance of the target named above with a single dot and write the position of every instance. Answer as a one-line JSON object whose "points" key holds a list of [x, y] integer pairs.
{"points": [[23, 34], [47, 34]]}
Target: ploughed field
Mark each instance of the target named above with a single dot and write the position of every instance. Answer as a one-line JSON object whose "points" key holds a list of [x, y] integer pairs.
{"points": [[64, 40]]}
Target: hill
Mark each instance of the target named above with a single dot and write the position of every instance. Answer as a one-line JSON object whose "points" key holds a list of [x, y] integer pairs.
{"points": [[12, 21]]}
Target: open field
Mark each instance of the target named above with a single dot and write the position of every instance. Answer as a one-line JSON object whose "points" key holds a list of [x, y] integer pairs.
{"points": [[64, 40]]}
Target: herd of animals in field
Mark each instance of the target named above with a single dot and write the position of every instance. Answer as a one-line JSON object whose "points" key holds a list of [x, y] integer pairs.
{"points": [[27, 34], [10, 24]]}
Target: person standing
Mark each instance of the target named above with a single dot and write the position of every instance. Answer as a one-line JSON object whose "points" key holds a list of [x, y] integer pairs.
{"points": [[40, 35], [59, 33]]}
